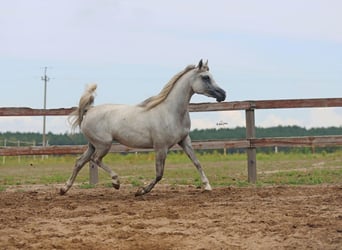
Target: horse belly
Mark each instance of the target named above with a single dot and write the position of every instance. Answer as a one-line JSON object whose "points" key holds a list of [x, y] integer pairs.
{"points": [[132, 132], [134, 139]]}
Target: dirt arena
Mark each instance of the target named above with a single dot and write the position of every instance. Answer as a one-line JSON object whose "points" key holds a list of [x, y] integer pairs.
{"points": [[181, 217]]}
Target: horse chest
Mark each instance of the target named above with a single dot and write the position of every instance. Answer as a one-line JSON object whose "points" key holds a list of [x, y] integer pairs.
{"points": [[170, 131]]}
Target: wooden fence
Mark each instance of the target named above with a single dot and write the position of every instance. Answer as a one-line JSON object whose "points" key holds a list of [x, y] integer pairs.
{"points": [[250, 143]]}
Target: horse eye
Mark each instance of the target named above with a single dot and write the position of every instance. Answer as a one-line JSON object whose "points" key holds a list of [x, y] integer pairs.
{"points": [[206, 78]]}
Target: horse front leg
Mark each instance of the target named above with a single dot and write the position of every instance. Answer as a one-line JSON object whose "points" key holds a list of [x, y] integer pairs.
{"points": [[160, 163], [187, 147]]}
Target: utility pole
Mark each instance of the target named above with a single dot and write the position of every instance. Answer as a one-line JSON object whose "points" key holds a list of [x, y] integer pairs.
{"points": [[45, 79]]}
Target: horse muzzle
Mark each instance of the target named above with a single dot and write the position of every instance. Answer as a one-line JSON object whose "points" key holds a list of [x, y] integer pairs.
{"points": [[219, 94]]}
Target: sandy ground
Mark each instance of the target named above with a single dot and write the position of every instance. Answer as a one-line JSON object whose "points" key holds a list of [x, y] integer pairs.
{"points": [[181, 217]]}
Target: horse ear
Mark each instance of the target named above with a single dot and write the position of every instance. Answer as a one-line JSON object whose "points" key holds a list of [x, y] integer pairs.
{"points": [[200, 64]]}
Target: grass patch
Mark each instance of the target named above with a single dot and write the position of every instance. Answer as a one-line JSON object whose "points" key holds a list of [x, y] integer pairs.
{"points": [[54, 178], [136, 183], [310, 177], [222, 170]]}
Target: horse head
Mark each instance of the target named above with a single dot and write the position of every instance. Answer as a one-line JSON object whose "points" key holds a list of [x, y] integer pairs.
{"points": [[204, 83]]}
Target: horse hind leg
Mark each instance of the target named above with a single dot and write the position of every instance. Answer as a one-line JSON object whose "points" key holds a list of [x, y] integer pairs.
{"points": [[97, 160], [83, 159]]}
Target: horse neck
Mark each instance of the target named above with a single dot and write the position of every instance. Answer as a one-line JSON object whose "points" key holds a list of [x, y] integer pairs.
{"points": [[179, 97]]}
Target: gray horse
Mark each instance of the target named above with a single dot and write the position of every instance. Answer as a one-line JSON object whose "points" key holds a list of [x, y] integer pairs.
{"points": [[159, 122]]}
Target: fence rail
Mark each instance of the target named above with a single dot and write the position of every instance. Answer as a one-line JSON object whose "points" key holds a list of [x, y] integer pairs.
{"points": [[250, 142], [306, 141], [197, 107]]}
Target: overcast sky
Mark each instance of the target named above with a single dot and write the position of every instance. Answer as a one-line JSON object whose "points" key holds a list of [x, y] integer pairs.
{"points": [[256, 50]]}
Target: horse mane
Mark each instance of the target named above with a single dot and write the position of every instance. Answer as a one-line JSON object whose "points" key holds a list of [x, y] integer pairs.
{"points": [[153, 101]]}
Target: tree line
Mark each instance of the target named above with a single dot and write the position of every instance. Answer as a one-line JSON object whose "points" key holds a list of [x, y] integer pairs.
{"points": [[279, 131], [10, 138]]}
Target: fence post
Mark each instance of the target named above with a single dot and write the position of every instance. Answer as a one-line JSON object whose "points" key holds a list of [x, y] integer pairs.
{"points": [[4, 157], [93, 173], [19, 157], [251, 151]]}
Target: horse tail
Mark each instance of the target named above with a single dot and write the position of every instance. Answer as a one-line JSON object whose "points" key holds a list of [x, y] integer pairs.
{"points": [[85, 103]]}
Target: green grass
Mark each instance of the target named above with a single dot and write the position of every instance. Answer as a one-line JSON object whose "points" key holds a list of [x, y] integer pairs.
{"points": [[309, 177], [222, 170]]}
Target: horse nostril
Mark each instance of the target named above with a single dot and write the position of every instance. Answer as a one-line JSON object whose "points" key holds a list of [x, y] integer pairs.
{"points": [[221, 96]]}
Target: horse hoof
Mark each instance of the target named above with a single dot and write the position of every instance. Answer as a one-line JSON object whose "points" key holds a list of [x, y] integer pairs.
{"points": [[208, 187], [115, 182], [62, 191], [116, 185], [140, 191]]}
